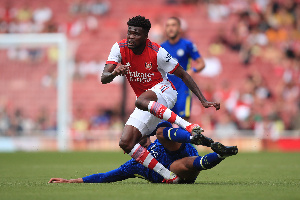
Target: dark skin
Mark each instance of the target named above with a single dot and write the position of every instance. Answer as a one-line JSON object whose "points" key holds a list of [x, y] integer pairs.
{"points": [[136, 39]]}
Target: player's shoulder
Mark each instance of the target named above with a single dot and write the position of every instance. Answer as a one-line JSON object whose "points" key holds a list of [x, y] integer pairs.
{"points": [[165, 43], [153, 46], [186, 41], [122, 43]]}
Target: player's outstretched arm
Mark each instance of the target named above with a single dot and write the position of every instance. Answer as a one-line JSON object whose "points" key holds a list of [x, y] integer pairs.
{"points": [[61, 180], [188, 80], [111, 71]]}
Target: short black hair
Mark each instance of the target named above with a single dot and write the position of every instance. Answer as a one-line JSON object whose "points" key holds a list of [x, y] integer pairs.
{"points": [[140, 21], [176, 19]]}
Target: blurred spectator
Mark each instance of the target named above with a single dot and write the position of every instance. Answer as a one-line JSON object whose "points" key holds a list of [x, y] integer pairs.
{"points": [[49, 79], [42, 120], [225, 126], [8, 13], [52, 53], [24, 14], [91, 24], [4, 122], [16, 125], [99, 7], [96, 7], [213, 66], [157, 31], [42, 15], [101, 119], [76, 7], [217, 11]]}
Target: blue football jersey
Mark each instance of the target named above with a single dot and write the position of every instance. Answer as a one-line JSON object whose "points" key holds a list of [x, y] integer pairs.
{"points": [[183, 51]]}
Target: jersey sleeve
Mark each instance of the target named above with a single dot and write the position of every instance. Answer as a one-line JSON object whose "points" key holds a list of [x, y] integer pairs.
{"points": [[193, 51], [114, 55], [165, 61]]}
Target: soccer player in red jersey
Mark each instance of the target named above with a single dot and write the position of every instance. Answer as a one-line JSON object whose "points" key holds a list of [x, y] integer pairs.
{"points": [[145, 65]]}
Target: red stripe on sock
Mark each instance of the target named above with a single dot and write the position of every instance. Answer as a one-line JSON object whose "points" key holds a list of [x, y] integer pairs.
{"points": [[161, 111], [138, 152], [158, 110], [152, 164], [172, 118], [142, 158]]}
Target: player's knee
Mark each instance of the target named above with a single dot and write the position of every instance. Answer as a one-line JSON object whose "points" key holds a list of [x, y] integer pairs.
{"points": [[126, 145], [142, 104]]}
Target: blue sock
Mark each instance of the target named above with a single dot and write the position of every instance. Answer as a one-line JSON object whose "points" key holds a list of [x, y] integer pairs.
{"points": [[177, 135], [207, 162]]}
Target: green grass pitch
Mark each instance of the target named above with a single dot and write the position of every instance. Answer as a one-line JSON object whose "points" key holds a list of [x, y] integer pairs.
{"points": [[245, 176]]}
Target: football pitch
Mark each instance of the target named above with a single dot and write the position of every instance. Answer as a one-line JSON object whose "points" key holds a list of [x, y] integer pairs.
{"points": [[245, 176]]}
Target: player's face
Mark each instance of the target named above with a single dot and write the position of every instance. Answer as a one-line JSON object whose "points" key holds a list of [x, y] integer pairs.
{"points": [[172, 28], [136, 37]]}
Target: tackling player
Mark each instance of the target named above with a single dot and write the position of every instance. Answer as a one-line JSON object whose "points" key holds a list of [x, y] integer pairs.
{"points": [[145, 65], [183, 51], [181, 158]]}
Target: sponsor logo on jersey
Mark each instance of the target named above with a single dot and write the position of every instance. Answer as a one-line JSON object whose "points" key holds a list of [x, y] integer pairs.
{"points": [[128, 64], [180, 52], [148, 66], [163, 88], [140, 77]]}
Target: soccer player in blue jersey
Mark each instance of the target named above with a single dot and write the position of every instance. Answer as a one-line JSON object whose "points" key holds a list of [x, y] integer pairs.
{"points": [[183, 51], [172, 149]]}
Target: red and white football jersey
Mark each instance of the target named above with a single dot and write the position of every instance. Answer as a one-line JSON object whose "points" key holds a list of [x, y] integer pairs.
{"points": [[145, 70]]}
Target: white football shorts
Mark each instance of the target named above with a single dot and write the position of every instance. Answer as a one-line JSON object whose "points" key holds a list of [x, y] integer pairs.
{"points": [[144, 121]]}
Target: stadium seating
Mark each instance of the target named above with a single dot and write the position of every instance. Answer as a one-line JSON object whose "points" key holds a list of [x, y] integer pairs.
{"points": [[21, 82]]}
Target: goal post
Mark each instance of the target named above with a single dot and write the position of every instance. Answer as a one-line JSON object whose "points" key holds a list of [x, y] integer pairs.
{"points": [[63, 79]]}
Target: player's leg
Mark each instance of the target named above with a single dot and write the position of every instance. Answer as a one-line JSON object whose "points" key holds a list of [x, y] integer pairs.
{"points": [[148, 101], [136, 127], [168, 135], [188, 168]]}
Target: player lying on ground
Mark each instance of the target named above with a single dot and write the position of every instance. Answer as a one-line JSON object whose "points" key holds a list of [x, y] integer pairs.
{"points": [[180, 158], [145, 65]]}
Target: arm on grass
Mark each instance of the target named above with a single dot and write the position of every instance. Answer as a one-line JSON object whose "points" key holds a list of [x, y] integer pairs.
{"points": [[118, 174], [61, 180]]}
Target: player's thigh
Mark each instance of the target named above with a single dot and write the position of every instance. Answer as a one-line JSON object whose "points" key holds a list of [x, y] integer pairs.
{"points": [[165, 93], [184, 169], [143, 121]]}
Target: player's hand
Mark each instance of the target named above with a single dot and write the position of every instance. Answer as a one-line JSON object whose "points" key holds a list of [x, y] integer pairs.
{"points": [[121, 70], [211, 104], [61, 180], [58, 180]]}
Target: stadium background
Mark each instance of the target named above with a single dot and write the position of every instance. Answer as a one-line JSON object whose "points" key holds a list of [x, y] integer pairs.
{"points": [[251, 49]]}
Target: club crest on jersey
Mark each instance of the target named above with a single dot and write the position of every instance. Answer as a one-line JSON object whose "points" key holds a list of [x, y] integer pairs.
{"points": [[148, 66]]}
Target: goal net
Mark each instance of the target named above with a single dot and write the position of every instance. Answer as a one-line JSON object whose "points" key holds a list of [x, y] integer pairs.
{"points": [[34, 92]]}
